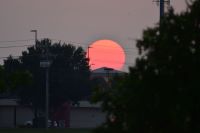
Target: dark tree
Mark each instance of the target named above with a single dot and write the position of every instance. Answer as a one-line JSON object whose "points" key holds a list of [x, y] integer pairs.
{"points": [[2, 79], [13, 79], [161, 92], [68, 73]]}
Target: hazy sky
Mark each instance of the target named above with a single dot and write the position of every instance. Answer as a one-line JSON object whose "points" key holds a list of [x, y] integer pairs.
{"points": [[79, 21]]}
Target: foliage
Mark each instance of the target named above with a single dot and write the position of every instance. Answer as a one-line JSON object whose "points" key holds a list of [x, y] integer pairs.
{"points": [[68, 73], [2, 79], [9, 81], [161, 92]]}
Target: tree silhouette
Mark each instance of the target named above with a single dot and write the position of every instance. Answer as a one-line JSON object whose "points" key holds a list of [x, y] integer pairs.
{"points": [[68, 74], [161, 92], [2, 79], [12, 79]]}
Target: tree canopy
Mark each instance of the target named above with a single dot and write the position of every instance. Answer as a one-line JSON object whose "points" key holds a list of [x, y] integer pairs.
{"points": [[68, 73], [161, 92], [2, 79], [9, 81]]}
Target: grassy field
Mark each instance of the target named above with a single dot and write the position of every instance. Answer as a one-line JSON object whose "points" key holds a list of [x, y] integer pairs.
{"points": [[44, 131]]}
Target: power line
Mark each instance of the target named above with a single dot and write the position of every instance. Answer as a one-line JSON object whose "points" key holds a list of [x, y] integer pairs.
{"points": [[107, 52], [15, 46], [64, 41], [8, 41], [85, 45], [9, 56], [98, 60], [112, 47]]}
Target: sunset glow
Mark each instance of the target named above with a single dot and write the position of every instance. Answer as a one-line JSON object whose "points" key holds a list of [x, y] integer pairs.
{"points": [[106, 53]]}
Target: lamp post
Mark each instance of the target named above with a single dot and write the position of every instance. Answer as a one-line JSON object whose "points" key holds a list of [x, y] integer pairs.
{"points": [[46, 64], [36, 111], [35, 31], [89, 53]]}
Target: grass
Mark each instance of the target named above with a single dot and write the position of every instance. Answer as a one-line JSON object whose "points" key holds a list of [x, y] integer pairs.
{"points": [[44, 131]]}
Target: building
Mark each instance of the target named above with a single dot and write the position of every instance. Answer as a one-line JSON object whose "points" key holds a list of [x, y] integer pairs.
{"points": [[86, 115], [12, 114], [106, 73], [83, 115]]}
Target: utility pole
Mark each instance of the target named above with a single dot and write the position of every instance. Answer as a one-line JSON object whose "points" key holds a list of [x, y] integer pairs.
{"points": [[162, 7]]}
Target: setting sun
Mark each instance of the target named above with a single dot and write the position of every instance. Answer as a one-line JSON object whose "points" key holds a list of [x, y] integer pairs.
{"points": [[106, 53]]}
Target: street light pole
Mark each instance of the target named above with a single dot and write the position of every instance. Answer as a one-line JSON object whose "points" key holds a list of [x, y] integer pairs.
{"points": [[89, 53], [36, 111], [47, 97], [46, 64], [35, 31]]}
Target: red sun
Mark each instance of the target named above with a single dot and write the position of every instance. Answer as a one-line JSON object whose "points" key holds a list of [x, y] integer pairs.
{"points": [[106, 53]]}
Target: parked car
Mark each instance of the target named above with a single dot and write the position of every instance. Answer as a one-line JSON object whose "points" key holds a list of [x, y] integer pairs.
{"points": [[29, 123]]}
